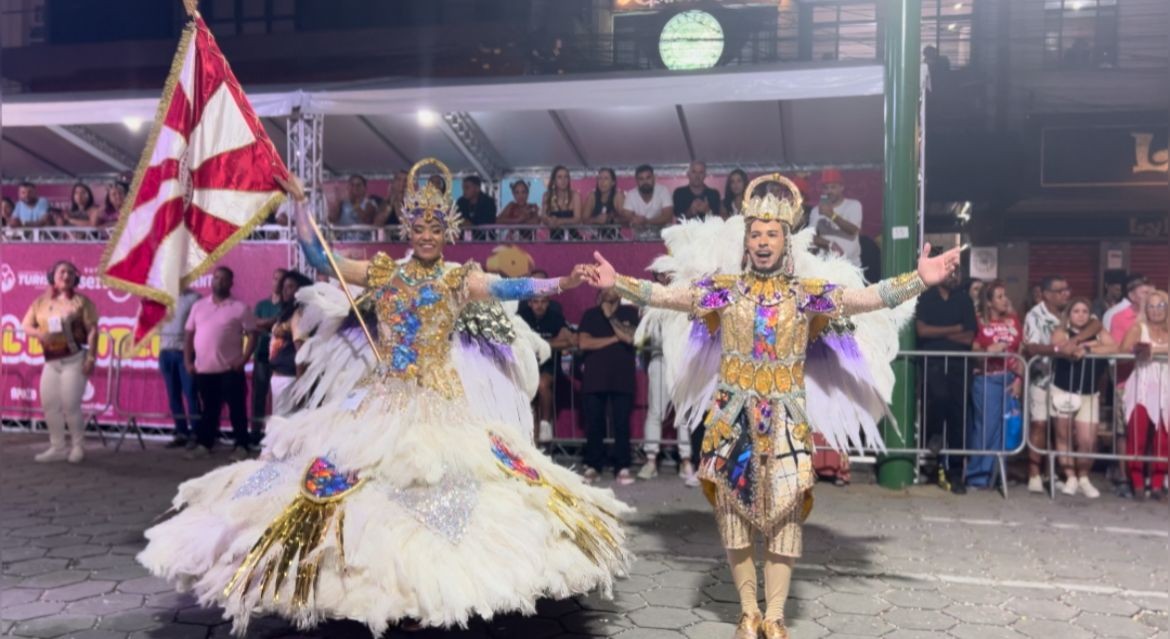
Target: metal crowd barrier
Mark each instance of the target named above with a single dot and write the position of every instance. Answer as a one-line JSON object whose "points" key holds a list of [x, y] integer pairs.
{"points": [[944, 420], [130, 417], [572, 445], [124, 387], [1111, 425]]}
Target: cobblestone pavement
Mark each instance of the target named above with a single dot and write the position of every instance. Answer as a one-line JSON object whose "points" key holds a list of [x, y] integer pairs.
{"points": [[908, 564]]}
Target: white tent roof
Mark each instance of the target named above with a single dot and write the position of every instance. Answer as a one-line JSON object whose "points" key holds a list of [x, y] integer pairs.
{"points": [[763, 117]]}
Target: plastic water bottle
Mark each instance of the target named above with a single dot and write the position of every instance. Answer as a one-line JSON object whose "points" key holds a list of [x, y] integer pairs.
{"points": [[1013, 425]]}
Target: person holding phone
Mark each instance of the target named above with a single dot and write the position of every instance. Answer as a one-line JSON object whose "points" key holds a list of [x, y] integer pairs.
{"points": [[65, 323], [837, 219]]}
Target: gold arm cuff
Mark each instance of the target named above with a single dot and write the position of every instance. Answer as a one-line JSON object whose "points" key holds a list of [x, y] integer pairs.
{"points": [[896, 290], [633, 289]]}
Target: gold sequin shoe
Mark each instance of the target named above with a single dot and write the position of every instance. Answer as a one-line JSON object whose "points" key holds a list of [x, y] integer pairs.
{"points": [[749, 626], [774, 629]]}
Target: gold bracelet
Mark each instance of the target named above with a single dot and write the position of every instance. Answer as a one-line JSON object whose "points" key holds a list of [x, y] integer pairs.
{"points": [[633, 289], [896, 290]]}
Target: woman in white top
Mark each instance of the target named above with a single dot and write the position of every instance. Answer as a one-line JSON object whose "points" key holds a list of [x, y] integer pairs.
{"points": [[1147, 396]]}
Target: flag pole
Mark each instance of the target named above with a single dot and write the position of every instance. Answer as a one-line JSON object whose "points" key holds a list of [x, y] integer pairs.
{"points": [[344, 287]]}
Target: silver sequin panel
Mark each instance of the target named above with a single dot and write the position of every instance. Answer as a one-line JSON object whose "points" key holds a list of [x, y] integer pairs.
{"points": [[262, 480], [445, 507]]}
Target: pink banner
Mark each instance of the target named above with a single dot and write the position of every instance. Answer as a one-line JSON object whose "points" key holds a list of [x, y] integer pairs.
{"points": [[23, 277], [141, 392]]}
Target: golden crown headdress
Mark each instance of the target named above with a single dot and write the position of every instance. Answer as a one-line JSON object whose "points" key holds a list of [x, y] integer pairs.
{"points": [[787, 209], [430, 203]]}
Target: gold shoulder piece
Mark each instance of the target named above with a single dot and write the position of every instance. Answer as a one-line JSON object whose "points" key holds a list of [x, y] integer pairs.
{"points": [[381, 270], [724, 280], [813, 286], [455, 276]]}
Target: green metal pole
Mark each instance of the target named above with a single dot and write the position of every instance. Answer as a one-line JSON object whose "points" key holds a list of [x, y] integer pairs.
{"points": [[900, 211]]}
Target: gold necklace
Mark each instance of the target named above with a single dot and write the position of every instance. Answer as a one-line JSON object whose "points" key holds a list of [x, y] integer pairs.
{"points": [[414, 272], [765, 288]]}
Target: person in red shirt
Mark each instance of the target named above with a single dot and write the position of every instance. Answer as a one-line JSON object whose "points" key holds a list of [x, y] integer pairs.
{"points": [[997, 382]]}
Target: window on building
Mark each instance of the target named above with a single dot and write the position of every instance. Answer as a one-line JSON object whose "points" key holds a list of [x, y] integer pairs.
{"points": [[946, 26], [1080, 34], [239, 17], [845, 31]]}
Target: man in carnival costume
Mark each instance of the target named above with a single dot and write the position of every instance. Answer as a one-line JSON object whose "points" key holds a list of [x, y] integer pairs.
{"points": [[406, 486], [752, 342]]}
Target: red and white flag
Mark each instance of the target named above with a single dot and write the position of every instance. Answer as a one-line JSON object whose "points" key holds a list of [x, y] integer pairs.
{"points": [[206, 178]]}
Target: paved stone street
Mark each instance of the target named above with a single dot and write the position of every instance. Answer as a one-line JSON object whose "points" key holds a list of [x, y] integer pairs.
{"points": [[919, 563]]}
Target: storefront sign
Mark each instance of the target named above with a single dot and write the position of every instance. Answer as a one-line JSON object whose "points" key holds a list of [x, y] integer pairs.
{"points": [[1147, 227], [1104, 156], [1115, 259], [1091, 225]]}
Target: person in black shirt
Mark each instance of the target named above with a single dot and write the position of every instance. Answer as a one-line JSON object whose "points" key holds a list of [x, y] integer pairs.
{"points": [[946, 322], [607, 340], [549, 324], [282, 353], [475, 207], [695, 200]]}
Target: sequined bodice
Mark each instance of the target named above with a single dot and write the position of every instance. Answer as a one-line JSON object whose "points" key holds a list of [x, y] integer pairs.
{"points": [[765, 331], [416, 310]]}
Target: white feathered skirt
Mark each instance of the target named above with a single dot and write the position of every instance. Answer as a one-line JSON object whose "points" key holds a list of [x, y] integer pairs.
{"points": [[399, 504]]}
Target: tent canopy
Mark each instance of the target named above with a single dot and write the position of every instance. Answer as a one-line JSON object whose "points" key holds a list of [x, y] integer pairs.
{"points": [[787, 116]]}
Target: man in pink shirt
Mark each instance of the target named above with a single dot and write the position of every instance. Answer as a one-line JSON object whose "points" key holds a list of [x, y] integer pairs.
{"points": [[1124, 314], [1118, 320], [220, 339]]}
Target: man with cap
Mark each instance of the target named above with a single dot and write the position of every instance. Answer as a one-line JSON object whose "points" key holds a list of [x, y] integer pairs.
{"points": [[837, 219]]}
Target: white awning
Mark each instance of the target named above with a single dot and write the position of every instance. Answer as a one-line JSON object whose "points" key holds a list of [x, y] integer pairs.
{"points": [[784, 116]]}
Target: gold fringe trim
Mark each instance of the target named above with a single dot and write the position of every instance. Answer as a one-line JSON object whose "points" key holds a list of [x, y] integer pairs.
{"points": [[289, 546], [141, 290], [592, 528], [164, 107]]}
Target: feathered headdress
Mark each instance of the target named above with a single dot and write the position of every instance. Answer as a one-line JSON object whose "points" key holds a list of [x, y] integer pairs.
{"points": [[786, 209], [429, 204]]}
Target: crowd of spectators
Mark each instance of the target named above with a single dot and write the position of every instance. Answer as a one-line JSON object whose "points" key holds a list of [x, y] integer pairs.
{"points": [[644, 208], [31, 210], [1077, 400]]}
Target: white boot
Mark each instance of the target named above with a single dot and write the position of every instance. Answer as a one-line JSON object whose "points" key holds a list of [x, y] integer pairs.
{"points": [[76, 428], [687, 472], [1035, 484], [545, 433], [53, 454], [1087, 488]]}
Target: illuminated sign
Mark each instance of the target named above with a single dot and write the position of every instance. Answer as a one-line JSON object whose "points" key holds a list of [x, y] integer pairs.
{"points": [[628, 6], [691, 40]]}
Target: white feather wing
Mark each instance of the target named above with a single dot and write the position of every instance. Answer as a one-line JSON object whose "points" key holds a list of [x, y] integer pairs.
{"points": [[335, 359]]}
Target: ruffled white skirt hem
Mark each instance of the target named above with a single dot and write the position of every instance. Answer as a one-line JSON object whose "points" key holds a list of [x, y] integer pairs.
{"points": [[442, 527]]}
